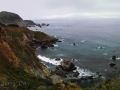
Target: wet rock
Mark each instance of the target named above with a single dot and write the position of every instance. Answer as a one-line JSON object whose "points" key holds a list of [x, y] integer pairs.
{"points": [[57, 59], [67, 65], [112, 64], [76, 74], [47, 24], [59, 41], [44, 46], [59, 66], [97, 73], [90, 77], [74, 44], [73, 80], [61, 73], [50, 45], [114, 57], [43, 24]]}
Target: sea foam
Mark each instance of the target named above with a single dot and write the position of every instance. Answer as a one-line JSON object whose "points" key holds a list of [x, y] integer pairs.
{"points": [[52, 61], [83, 72]]}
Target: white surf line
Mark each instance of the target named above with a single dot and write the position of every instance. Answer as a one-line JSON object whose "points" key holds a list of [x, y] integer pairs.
{"points": [[83, 72], [52, 61]]}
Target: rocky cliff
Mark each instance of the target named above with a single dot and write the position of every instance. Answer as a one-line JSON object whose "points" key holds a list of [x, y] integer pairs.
{"points": [[9, 17], [20, 69], [19, 66], [12, 18]]}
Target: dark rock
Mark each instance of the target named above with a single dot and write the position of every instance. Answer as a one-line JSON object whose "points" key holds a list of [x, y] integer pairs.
{"points": [[54, 40], [90, 77], [100, 75], [76, 74], [74, 44], [50, 45], [39, 25], [59, 66], [112, 64], [73, 80], [97, 73], [61, 72], [44, 46], [59, 41], [67, 65], [34, 44], [43, 24], [114, 57], [47, 24], [57, 59]]}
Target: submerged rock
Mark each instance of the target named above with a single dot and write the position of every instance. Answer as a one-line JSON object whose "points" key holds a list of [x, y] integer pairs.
{"points": [[76, 74], [112, 64]]}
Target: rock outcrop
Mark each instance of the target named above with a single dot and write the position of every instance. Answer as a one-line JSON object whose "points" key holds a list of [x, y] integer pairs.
{"points": [[67, 65]]}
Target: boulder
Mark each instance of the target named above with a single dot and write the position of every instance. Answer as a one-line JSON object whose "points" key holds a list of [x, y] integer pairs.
{"points": [[59, 66], [59, 41], [44, 46], [47, 24], [57, 59], [50, 45], [43, 24], [76, 74], [67, 65], [114, 57], [61, 72], [112, 64]]}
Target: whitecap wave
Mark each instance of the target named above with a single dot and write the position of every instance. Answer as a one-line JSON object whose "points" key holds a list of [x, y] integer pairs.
{"points": [[84, 72], [83, 40], [100, 47], [105, 54], [52, 61], [118, 58], [55, 45]]}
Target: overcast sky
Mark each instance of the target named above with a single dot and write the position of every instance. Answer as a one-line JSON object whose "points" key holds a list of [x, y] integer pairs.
{"points": [[37, 9]]}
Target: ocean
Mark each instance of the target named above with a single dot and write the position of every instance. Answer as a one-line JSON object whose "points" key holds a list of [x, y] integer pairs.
{"points": [[96, 41]]}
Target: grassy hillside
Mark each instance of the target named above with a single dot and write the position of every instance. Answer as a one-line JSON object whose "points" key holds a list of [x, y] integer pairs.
{"points": [[109, 84], [19, 66]]}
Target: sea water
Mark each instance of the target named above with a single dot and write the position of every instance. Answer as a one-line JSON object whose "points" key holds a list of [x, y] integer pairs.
{"points": [[96, 41]]}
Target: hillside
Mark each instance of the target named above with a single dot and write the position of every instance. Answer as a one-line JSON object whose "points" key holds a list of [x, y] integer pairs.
{"points": [[8, 17], [19, 66], [12, 18]]}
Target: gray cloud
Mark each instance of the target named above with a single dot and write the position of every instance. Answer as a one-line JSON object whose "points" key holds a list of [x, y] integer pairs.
{"points": [[35, 9]]}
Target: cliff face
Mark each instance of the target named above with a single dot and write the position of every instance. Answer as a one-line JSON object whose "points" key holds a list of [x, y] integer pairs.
{"points": [[26, 23], [20, 69], [17, 58], [15, 47], [8, 17], [12, 18]]}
